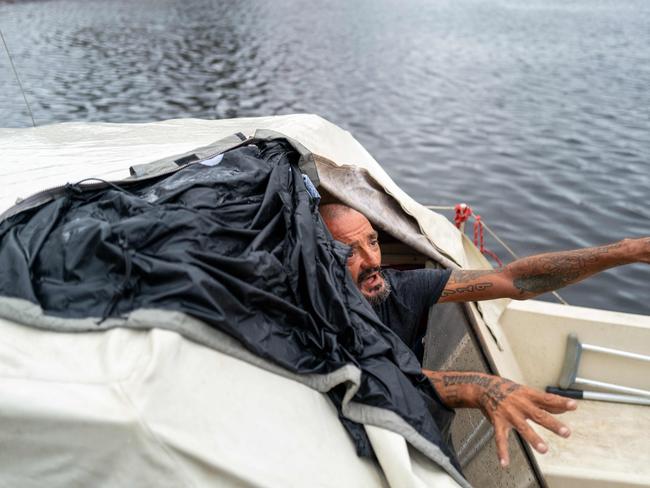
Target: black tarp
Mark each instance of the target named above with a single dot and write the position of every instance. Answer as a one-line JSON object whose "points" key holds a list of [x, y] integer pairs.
{"points": [[239, 245]]}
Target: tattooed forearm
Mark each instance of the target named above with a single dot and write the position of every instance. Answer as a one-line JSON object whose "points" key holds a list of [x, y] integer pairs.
{"points": [[464, 282], [531, 276], [547, 272]]}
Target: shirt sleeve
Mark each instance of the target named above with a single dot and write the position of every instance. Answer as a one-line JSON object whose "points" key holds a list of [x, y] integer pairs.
{"points": [[439, 280]]}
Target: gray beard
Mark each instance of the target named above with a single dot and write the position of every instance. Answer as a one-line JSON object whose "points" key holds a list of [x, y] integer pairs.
{"points": [[379, 298]]}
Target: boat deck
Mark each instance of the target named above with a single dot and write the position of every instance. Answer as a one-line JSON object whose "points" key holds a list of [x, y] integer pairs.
{"points": [[609, 445], [608, 448]]}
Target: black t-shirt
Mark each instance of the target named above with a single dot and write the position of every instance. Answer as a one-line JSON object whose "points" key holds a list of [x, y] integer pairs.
{"points": [[412, 293]]}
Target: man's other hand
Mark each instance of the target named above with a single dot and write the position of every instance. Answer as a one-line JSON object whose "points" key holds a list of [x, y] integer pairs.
{"points": [[506, 404]]}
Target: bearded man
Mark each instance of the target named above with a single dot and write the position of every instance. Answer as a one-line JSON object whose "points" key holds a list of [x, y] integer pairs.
{"points": [[400, 298]]}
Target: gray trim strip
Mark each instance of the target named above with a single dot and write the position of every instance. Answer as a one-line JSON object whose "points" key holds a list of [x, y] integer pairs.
{"points": [[306, 162], [169, 163]]}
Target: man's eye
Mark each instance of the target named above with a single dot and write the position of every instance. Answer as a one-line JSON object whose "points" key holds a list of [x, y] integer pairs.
{"points": [[374, 242]]}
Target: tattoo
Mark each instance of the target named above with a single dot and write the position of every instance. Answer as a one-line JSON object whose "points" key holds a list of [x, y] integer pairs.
{"points": [[454, 398], [495, 389], [552, 271], [463, 276], [449, 390], [466, 379], [543, 282], [467, 289], [495, 394], [513, 387]]}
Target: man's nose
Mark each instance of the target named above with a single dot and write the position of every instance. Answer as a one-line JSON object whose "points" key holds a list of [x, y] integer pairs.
{"points": [[371, 259]]}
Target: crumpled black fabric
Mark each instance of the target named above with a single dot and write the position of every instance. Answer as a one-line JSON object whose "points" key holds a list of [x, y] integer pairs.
{"points": [[240, 246]]}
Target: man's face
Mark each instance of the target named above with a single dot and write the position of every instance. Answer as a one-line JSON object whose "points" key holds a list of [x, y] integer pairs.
{"points": [[353, 229]]}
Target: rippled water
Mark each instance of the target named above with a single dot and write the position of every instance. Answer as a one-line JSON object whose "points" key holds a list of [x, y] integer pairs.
{"points": [[537, 113]]}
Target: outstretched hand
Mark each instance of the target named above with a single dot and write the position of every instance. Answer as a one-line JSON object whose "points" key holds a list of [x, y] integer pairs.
{"points": [[509, 405], [506, 404]]}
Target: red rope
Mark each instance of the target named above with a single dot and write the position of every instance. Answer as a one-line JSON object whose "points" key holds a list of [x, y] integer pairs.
{"points": [[463, 213]]}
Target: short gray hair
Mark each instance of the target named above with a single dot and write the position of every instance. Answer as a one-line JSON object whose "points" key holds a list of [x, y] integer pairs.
{"points": [[333, 211]]}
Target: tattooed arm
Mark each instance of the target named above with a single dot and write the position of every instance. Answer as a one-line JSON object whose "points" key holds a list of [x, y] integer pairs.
{"points": [[506, 404], [531, 276]]}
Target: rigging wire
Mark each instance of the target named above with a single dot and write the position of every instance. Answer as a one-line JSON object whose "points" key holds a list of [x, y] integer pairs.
{"points": [[13, 67]]}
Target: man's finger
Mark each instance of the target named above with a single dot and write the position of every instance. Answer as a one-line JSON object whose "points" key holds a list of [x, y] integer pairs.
{"points": [[545, 419], [553, 403], [501, 439], [530, 435]]}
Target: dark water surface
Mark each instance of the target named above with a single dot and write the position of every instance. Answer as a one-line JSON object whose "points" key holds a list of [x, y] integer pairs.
{"points": [[537, 113]]}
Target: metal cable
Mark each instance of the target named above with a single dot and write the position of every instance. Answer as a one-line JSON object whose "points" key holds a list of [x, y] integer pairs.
{"points": [[13, 67]]}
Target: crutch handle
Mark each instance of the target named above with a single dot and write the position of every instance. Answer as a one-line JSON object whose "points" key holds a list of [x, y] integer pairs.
{"points": [[565, 392]]}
